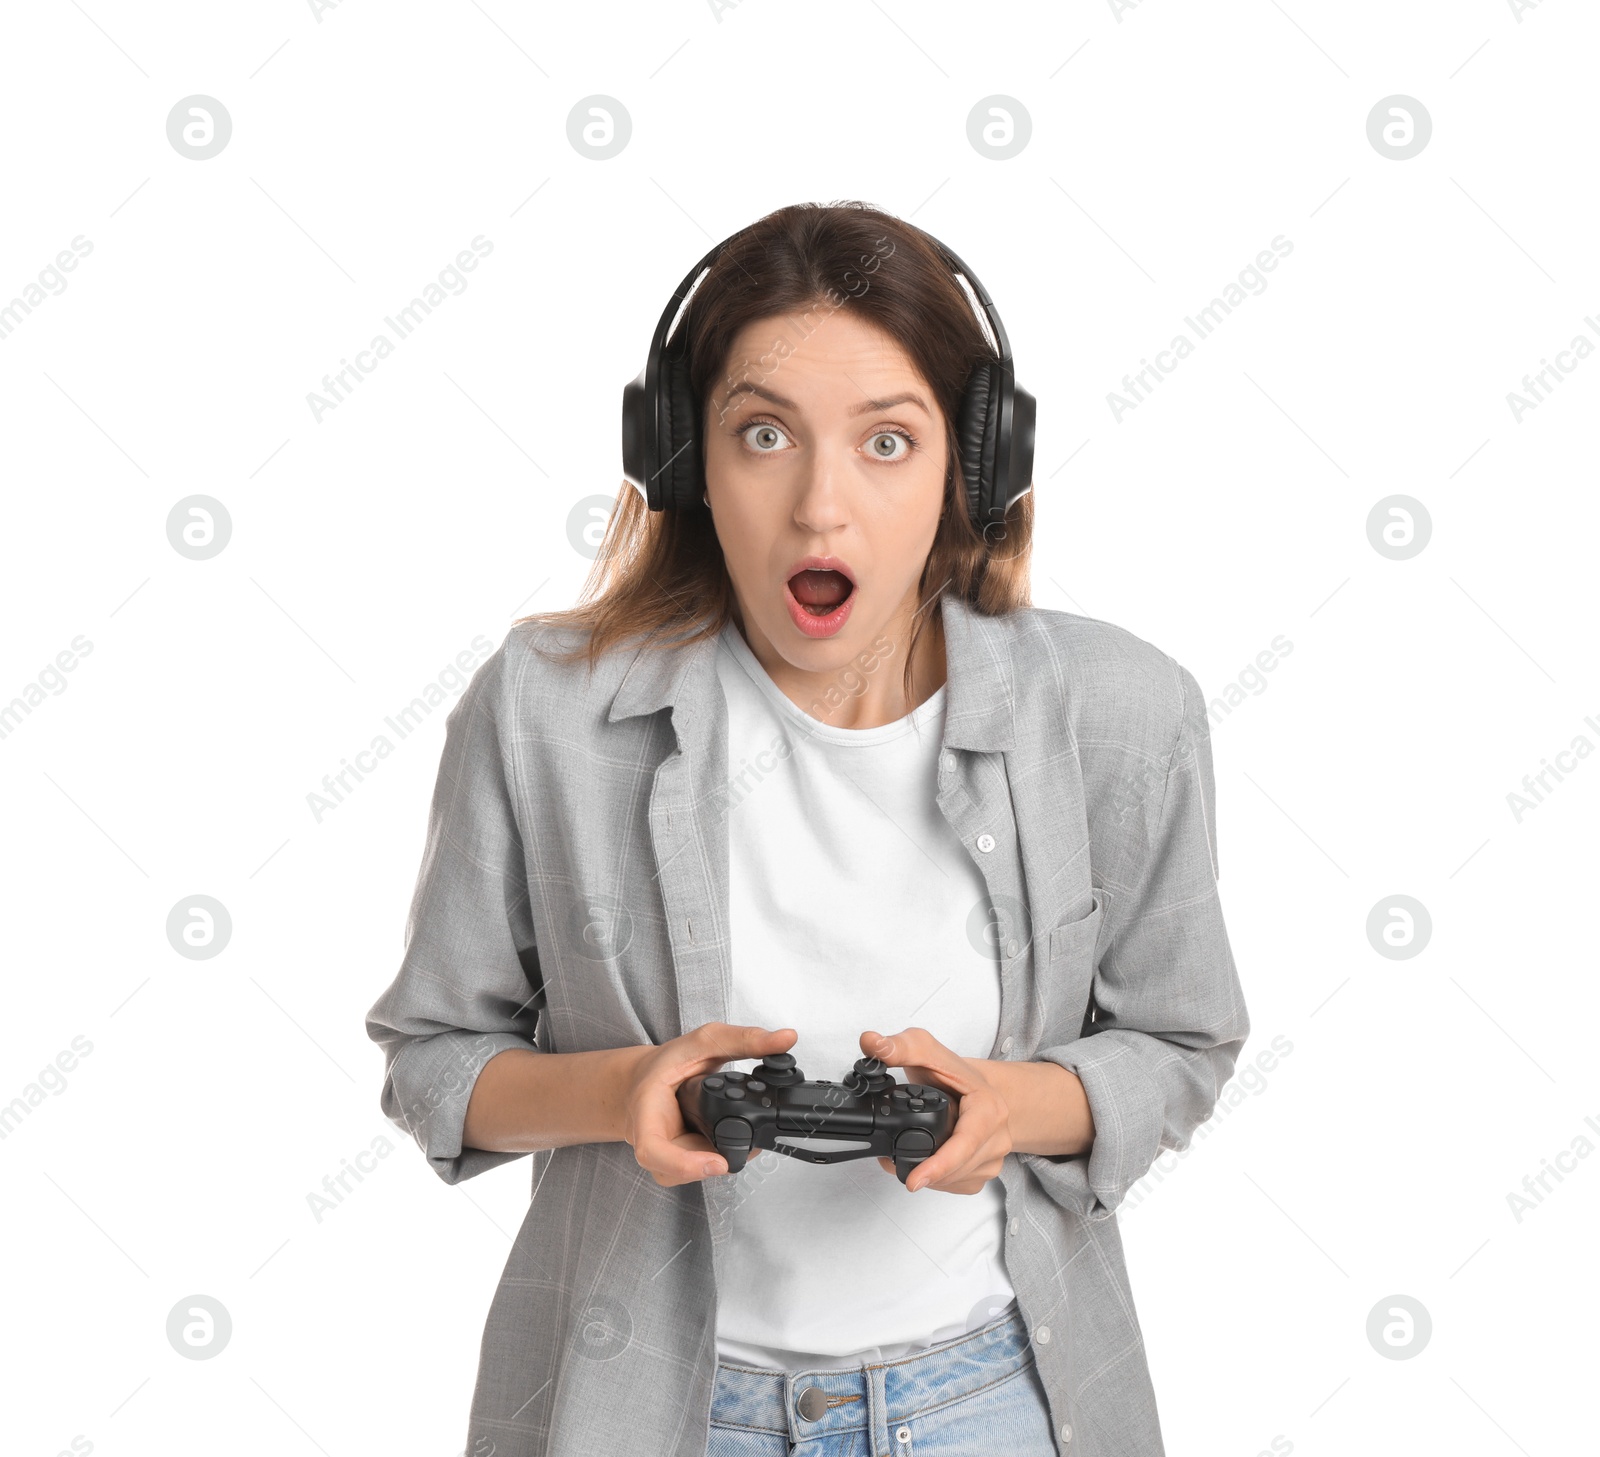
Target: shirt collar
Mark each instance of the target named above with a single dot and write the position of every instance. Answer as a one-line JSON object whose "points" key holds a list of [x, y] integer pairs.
{"points": [[978, 680]]}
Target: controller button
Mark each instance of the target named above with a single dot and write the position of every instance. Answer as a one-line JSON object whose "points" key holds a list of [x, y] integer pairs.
{"points": [[735, 1076], [900, 1095], [756, 1085], [914, 1140], [735, 1093], [916, 1105], [714, 1081]]}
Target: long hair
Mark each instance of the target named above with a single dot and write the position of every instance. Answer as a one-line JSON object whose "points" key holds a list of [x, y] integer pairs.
{"points": [[661, 575]]}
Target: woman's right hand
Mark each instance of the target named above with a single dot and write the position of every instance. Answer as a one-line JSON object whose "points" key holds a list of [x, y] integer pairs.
{"points": [[652, 1121]]}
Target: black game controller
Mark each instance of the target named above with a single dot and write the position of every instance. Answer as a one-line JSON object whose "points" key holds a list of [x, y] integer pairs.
{"points": [[743, 1111]]}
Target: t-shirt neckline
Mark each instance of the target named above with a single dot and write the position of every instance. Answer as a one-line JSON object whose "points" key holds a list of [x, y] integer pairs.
{"points": [[920, 718]]}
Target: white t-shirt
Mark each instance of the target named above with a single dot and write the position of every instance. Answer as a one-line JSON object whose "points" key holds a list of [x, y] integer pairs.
{"points": [[850, 904]]}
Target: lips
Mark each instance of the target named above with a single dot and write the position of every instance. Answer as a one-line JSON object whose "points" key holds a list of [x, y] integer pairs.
{"points": [[819, 593]]}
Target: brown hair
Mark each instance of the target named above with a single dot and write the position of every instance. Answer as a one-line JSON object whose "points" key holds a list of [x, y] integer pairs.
{"points": [[661, 574]]}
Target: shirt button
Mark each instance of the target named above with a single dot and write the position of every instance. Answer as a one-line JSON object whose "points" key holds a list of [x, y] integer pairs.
{"points": [[986, 843], [1011, 948], [947, 760], [1042, 1335], [1006, 1045], [1015, 1225], [1066, 1432]]}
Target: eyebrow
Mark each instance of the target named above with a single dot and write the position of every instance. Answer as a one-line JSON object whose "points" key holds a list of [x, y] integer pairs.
{"points": [[908, 397]]}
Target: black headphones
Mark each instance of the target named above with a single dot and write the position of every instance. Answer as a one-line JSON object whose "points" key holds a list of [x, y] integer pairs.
{"points": [[660, 417]]}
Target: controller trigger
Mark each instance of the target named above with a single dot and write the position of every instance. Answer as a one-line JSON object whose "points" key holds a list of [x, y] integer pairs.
{"points": [[734, 1139], [910, 1149]]}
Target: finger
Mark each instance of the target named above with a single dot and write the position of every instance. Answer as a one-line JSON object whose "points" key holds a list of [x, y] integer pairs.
{"points": [[908, 1047], [964, 1146], [966, 1186], [720, 1042], [666, 1148], [970, 1174], [670, 1162], [703, 1152], [917, 1048]]}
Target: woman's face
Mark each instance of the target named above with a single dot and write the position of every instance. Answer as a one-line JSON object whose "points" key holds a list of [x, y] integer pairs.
{"points": [[834, 451]]}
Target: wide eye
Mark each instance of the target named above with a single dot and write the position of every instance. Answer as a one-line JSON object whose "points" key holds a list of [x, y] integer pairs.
{"points": [[889, 445], [763, 437]]}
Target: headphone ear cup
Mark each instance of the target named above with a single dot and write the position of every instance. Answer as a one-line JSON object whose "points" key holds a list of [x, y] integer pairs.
{"points": [[976, 431], [682, 473], [1019, 476], [635, 435]]}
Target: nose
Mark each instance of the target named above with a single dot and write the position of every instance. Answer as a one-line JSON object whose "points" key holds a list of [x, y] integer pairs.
{"points": [[821, 506]]}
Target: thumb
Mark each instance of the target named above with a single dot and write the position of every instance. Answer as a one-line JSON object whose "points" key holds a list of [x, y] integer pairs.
{"points": [[730, 1042]]}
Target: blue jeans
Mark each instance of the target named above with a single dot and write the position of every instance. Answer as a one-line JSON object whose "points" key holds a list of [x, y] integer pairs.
{"points": [[977, 1394]]}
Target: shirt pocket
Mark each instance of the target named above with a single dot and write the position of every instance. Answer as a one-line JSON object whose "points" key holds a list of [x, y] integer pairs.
{"points": [[1069, 976]]}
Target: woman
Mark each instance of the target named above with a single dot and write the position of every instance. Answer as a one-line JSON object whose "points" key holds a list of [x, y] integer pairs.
{"points": [[804, 773]]}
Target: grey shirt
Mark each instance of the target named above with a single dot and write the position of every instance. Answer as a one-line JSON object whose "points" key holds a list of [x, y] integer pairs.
{"points": [[573, 895]]}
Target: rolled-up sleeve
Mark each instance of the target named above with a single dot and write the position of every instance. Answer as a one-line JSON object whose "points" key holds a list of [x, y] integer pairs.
{"points": [[1170, 1017], [469, 985]]}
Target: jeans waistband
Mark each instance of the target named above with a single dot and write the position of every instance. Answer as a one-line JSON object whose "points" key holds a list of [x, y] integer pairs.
{"points": [[804, 1404]]}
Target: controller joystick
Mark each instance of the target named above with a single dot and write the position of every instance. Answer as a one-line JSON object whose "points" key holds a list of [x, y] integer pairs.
{"points": [[868, 1076], [777, 1070]]}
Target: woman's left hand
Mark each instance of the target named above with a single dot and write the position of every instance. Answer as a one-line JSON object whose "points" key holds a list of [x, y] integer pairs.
{"points": [[973, 1153]]}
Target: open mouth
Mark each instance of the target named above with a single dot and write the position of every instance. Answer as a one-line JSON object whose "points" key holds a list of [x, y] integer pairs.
{"points": [[820, 593]]}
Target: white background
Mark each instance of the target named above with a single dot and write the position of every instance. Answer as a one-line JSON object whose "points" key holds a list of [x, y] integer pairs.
{"points": [[1170, 144]]}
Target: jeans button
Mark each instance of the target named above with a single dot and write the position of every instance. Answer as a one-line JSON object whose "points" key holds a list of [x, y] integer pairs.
{"points": [[902, 1434], [813, 1403]]}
